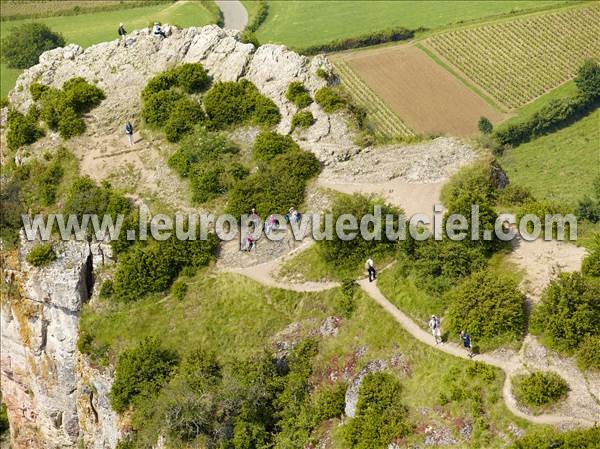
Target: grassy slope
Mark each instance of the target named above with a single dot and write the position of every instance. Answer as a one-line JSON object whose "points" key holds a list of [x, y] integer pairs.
{"points": [[251, 8], [560, 166], [236, 316], [300, 24], [88, 29]]}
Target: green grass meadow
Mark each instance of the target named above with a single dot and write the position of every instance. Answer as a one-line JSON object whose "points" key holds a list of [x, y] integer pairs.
{"points": [[92, 28], [304, 23], [560, 166]]}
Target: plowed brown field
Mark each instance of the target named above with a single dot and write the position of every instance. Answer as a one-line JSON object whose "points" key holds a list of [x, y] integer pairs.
{"points": [[425, 96]]}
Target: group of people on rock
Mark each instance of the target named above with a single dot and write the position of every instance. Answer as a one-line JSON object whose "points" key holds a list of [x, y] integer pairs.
{"points": [[156, 31]]}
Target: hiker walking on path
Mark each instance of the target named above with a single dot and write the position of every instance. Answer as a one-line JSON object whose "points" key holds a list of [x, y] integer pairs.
{"points": [[466, 339], [157, 30], [122, 34], [129, 132], [371, 270], [436, 330]]}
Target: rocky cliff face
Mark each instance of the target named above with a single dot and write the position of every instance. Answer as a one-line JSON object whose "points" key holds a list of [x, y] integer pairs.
{"points": [[47, 387], [122, 72]]}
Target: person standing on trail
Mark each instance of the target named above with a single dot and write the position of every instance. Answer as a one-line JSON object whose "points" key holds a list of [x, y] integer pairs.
{"points": [[371, 269], [129, 132], [122, 34], [466, 339], [436, 331]]}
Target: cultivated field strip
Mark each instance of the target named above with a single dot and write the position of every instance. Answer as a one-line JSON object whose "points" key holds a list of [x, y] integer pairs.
{"points": [[386, 123], [520, 60]]}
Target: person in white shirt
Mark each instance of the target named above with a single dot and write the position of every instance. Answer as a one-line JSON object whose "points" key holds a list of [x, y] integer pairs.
{"points": [[371, 269]]}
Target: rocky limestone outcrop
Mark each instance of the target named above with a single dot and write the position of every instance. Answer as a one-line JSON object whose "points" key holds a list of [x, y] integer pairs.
{"points": [[122, 72], [40, 373]]}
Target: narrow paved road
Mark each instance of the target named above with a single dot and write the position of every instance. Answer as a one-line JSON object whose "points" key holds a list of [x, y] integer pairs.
{"points": [[235, 15]]}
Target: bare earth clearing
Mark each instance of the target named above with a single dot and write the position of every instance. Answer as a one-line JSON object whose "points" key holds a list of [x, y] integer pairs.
{"points": [[427, 97]]}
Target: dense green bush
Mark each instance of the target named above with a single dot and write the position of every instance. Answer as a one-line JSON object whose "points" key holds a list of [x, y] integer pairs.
{"points": [[380, 416], [179, 289], [475, 177], [157, 107], [322, 73], [539, 389], [269, 144], [484, 125], [263, 188], [588, 79], [183, 119], [201, 146], [542, 208], [49, 181], [22, 129], [142, 370], [41, 255], [350, 253], [24, 45], [191, 78], [553, 439], [588, 354], [205, 181], [514, 195], [153, 268], [70, 124], [163, 81], [81, 95], [86, 197], [328, 403], [237, 103], [591, 263], [36, 90], [568, 312], [248, 37], [329, 99], [302, 119], [589, 206], [366, 40], [298, 94], [490, 307], [106, 289]]}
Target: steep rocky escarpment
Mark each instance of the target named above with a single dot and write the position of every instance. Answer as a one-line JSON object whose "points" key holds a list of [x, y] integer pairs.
{"points": [[41, 377]]}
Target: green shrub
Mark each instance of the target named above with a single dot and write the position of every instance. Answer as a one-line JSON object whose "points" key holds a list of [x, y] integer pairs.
{"points": [[539, 389], [588, 353], [22, 130], [49, 181], [205, 181], [41, 255], [163, 81], [262, 189], [568, 312], [329, 99], [380, 416], [514, 195], [24, 45], [298, 94], [237, 103], [591, 263], [542, 208], [192, 78], [475, 177], [36, 90], [158, 107], [350, 253], [179, 290], [186, 115], [86, 197], [70, 124], [200, 146], [365, 40], [302, 119], [588, 79], [322, 73], [490, 307], [153, 268], [553, 439], [269, 144], [328, 403], [249, 37], [484, 125], [141, 371], [106, 289], [259, 17], [81, 95]]}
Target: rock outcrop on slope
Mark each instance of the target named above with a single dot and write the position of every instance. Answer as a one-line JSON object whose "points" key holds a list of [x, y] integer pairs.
{"points": [[47, 399], [122, 72]]}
